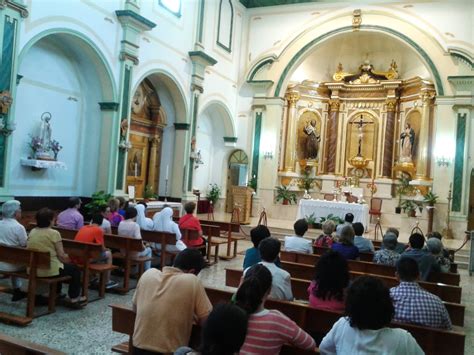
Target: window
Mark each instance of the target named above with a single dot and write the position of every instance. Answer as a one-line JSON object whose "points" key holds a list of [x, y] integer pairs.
{"points": [[173, 6]]}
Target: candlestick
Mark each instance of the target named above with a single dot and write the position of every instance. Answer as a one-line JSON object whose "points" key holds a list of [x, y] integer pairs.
{"points": [[167, 172], [166, 189], [136, 169]]}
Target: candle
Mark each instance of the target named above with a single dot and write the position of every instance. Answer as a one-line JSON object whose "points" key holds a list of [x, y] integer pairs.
{"points": [[167, 171], [136, 169]]}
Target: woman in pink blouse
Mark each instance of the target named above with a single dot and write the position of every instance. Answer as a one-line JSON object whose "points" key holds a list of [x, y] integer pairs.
{"points": [[331, 278], [113, 216]]}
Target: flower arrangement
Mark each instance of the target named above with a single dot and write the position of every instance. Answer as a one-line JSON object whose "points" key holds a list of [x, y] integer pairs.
{"points": [[55, 147], [35, 144], [124, 144], [213, 193]]}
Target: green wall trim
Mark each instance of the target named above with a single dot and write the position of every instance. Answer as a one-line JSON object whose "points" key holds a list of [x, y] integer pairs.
{"points": [[256, 144], [459, 162], [230, 139], [202, 55], [263, 3], [124, 115], [193, 136], [259, 66], [463, 58], [308, 46], [109, 106], [201, 21], [222, 45], [182, 126], [462, 77], [137, 17], [178, 13]]}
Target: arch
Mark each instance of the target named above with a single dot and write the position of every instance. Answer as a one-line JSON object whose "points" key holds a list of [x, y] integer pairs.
{"points": [[106, 78], [310, 45], [174, 88], [223, 112]]}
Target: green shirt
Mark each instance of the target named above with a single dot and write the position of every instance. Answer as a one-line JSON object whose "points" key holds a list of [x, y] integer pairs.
{"points": [[45, 239]]}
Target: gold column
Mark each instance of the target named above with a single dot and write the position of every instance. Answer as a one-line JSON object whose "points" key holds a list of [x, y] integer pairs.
{"points": [[331, 137], [153, 162], [290, 147], [422, 164]]}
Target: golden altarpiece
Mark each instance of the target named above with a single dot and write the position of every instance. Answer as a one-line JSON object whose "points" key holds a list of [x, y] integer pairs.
{"points": [[367, 125]]}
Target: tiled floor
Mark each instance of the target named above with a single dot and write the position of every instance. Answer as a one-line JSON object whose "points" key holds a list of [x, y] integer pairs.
{"points": [[88, 331]]}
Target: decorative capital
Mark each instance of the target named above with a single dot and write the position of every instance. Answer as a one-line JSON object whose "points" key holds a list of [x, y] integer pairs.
{"points": [[391, 105], [16, 6], [202, 58], [292, 97], [356, 19], [427, 96], [197, 89], [127, 56], [230, 139], [133, 19], [334, 105], [155, 140], [109, 106], [5, 101], [182, 126]]}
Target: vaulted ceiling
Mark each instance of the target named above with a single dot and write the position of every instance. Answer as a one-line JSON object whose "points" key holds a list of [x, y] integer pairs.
{"points": [[262, 3]]}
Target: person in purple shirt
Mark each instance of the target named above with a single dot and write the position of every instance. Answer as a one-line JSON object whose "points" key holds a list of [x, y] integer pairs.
{"points": [[345, 244], [71, 218]]}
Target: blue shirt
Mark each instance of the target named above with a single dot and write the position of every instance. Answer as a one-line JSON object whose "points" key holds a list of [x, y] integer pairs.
{"points": [[349, 252], [252, 257], [426, 261], [363, 244]]}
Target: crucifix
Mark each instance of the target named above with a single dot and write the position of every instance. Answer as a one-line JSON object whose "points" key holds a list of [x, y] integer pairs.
{"points": [[360, 124]]}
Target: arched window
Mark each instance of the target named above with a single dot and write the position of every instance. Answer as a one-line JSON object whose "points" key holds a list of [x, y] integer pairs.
{"points": [[225, 25], [173, 6]]}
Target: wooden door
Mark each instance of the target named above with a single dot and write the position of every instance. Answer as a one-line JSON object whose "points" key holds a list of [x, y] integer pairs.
{"points": [[236, 175], [470, 215]]}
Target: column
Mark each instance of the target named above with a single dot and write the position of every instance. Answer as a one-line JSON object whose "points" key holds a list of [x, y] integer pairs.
{"points": [[422, 163], [290, 146], [388, 138], [196, 91], [11, 13], [331, 136], [177, 186], [133, 25], [153, 166], [256, 143], [459, 159]]}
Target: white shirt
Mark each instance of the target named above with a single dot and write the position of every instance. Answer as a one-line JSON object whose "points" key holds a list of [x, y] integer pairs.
{"points": [[12, 233], [298, 244], [281, 282], [344, 339], [129, 228], [106, 226]]}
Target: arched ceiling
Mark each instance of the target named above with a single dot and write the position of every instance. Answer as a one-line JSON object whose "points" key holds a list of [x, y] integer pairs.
{"points": [[351, 49]]}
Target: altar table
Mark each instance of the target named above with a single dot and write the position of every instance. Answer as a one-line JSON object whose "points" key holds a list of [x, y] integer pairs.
{"points": [[322, 208], [155, 206]]}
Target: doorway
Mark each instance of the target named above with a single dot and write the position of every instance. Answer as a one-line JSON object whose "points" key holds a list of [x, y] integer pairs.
{"points": [[237, 174]]}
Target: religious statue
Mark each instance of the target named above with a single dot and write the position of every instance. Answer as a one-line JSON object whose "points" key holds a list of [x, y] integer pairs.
{"points": [[45, 135], [407, 141], [312, 140]]}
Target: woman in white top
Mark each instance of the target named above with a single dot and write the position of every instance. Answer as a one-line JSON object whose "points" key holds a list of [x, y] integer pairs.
{"points": [[144, 222], [365, 330], [130, 228], [163, 222]]}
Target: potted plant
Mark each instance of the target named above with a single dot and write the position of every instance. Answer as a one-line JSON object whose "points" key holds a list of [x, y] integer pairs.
{"points": [[403, 188], [100, 199], [253, 183], [148, 194], [213, 193], [285, 195], [306, 182], [312, 221], [330, 217], [430, 199], [410, 206]]}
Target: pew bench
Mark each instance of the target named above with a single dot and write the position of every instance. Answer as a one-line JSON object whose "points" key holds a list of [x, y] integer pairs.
{"points": [[33, 260], [15, 346], [123, 320]]}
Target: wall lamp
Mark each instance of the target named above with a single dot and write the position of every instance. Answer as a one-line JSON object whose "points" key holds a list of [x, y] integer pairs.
{"points": [[268, 155]]}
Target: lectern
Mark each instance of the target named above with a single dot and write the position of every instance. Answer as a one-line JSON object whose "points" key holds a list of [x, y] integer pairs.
{"points": [[242, 198]]}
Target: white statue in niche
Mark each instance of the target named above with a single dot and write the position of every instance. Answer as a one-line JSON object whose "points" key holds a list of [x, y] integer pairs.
{"points": [[45, 136]]}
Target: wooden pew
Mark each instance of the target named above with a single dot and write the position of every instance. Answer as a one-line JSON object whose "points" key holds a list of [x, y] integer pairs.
{"points": [[127, 244], [306, 272], [162, 238], [213, 240], [33, 260], [15, 346], [321, 321], [123, 320], [448, 278]]}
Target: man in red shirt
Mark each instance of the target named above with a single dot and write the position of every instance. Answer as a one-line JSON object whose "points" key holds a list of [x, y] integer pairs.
{"points": [[93, 233], [188, 221]]}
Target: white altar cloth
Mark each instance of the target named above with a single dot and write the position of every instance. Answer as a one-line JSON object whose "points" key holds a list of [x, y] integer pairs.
{"points": [[159, 205], [322, 208]]}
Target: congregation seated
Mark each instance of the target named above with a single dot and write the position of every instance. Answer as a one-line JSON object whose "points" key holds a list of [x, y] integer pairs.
{"points": [[325, 240], [113, 215], [130, 228], [93, 233], [105, 225], [71, 218], [123, 205], [269, 249], [345, 244], [268, 330], [348, 219], [163, 222], [400, 248], [387, 254], [12, 233], [297, 243], [438, 235], [143, 221], [223, 333], [412, 303], [176, 295], [252, 255], [189, 221], [366, 329], [327, 289], [45, 238], [363, 244], [435, 247], [426, 261]]}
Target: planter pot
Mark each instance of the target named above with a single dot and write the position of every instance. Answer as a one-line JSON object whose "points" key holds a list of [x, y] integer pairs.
{"points": [[398, 210], [286, 202], [412, 213], [317, 225]]}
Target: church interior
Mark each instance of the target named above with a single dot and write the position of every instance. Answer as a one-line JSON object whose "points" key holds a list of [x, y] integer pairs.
{"points": [[260, 112]]}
